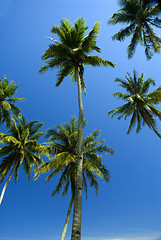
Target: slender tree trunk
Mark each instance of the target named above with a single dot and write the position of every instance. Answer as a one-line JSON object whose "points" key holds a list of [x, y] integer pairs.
{"points": [[76, 227], [7, 182], [67, 218]]}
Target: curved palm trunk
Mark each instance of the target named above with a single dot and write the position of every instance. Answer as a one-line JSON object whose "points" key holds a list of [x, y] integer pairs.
{"points": [[6, 184], [76, 227], [67, 219]]}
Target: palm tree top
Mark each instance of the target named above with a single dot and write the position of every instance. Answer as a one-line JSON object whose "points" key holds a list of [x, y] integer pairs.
{"points": [[7, 100], [21, 146], [141, 16], [62, 149], [7, 90], [140, 103], [72, 48]]}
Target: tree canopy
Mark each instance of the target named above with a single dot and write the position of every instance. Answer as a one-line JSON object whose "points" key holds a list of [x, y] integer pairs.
{"points": [[140, 16], [140, 103]]}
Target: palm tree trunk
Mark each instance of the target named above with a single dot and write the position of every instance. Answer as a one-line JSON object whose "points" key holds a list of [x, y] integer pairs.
{"points": [[67, 219], [76, 227], [7, 182]]}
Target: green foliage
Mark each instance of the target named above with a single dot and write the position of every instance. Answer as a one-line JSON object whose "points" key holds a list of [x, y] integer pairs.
{"points": [[62, 148], [21, 147], [139, 102], [72, 49], [7, 101], [141, 16]]}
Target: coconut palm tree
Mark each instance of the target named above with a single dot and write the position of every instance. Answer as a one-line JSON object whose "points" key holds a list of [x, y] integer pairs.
{"points": [[7, 101], [140, 16], [140, 103], [70, 54], [21, 148], [63, 147]]}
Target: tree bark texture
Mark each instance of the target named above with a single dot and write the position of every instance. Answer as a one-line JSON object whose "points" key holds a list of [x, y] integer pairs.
{"points": [[76, 227]]}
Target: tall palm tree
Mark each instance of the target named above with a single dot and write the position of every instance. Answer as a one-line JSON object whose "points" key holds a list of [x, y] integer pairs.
{"points": [[21, 148], [63, 147], [70, 54], [140, 16], [139, 102], [7, 101]]}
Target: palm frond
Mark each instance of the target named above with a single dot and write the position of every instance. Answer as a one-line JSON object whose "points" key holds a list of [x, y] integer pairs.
{"points": [[122, 111], [92, 180], [136, 38], [16, 171], [133, 121], [62, 181], [64, 72], [123, 33], [89, 42], [154, 97], [97, 61]]}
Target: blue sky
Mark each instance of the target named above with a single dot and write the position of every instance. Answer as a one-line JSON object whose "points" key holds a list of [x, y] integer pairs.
{"points": [[129, 206]]}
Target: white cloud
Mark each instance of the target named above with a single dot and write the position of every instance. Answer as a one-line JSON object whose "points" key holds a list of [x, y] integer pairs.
{"points": [[146, 236], [139, 236]]}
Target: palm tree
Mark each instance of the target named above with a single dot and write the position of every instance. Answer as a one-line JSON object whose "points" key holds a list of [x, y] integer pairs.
{"points": [[63, 147], [70, 54], [139, 102], [141, 16], [21, 148], [7, 101]]}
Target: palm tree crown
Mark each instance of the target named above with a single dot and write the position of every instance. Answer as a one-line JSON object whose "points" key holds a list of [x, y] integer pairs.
{"points": [[62, 148], [21, 148], [141, 16], [7, 101], [139, 102], [72, 50]]}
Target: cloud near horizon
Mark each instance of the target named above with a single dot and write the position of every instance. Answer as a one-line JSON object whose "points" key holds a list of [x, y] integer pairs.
{"points": [[150, 236], [155, 236]]}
